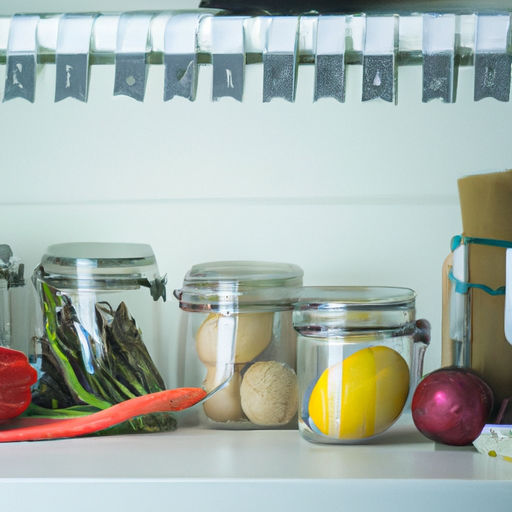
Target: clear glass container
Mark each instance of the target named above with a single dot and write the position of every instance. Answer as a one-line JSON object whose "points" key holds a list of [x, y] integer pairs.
{"points": [[359, 358], [97, 329], [477, 310], [238, 343], [456, 333], [15, 319]]}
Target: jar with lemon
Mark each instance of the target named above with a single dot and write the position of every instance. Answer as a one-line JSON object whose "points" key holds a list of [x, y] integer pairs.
{"points": [[360, 355]]}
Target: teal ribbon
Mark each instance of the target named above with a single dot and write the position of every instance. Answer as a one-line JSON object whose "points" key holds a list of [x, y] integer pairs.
{"points": [[465, 240], [461, 287]]}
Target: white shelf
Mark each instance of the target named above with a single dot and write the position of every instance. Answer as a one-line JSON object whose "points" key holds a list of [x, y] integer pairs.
{"points": [[210, 470]]}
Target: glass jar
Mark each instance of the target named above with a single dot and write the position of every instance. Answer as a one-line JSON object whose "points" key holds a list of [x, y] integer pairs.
{"points": [[477, 310], [15, 320], [238, 342], [360, 357], [97, 329]]}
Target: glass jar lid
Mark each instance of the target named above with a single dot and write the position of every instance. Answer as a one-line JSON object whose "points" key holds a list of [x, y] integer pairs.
{"points": [[233, 285], [101, 266], [332, 311]]}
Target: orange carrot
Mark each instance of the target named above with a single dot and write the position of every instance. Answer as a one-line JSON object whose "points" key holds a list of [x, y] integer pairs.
{"points": [[162, 401]]}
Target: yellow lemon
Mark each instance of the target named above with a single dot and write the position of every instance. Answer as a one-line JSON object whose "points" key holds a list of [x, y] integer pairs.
{"points": [[361, 396]]}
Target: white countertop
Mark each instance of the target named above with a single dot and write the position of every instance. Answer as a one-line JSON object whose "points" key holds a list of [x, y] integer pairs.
{"points": [[199, 469]]}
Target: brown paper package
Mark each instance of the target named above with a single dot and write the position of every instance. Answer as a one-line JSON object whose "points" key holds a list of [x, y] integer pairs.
{"points": [[486, 209]]}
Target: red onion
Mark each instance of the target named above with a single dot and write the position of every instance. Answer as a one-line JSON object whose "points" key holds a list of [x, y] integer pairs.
{"points": [[451, 406]]}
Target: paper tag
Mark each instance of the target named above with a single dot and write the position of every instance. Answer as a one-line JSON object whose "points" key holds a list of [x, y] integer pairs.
{"points": [[132, 40], [508, 297], [330, 58], [438, 57], [180, 56], [379, 72], [20, 76], [280, 59], [492, 62], [228, 57], [72, 56]]}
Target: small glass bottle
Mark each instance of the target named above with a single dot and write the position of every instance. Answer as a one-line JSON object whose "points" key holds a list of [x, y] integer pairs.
{"points": [[15, 320], [456, 321], [97, 329], [360, 357], [477, 310], [238, 343]]}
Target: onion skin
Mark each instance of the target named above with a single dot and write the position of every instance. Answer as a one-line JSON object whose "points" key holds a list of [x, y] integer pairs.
{"points": [[451, 406]]}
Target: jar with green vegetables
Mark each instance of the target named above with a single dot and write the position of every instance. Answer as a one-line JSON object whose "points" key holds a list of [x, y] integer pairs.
{"points": [[97, 336]]}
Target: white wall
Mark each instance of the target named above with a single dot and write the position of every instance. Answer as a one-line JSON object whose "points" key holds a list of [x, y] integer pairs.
{"points": [[354, 193]]}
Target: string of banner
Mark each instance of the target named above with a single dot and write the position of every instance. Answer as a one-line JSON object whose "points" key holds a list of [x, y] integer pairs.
{"points": [[280, 40]]}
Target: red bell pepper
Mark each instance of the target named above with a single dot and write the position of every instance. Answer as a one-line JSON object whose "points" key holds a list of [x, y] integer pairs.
{"points": [[16, 377]]}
